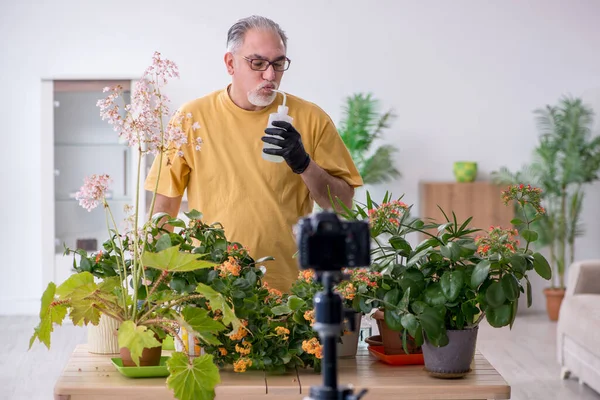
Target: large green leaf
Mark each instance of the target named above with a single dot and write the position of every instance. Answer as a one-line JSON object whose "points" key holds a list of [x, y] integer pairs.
{"points": [[195, 380], [218, 302], [50, 314], [510, 285], [410, 323], [452, 282], [495, 294], [451, 251], [295, 303], [529, 235], [432, 323], [281, 310], [519, 263], [201, 324], [173, 260], [84, 311], [391, 297], [400, 244], [136, 339], [480, 273], [500, 316], [434, 295], [392, 319], [541, 266], [74, 283]]}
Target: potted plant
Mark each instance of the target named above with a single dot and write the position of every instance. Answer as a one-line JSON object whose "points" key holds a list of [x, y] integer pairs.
{"points": [[360, 127], [278, 337], [565, 161], [462, 280], [390, 222], [130, 280], [354, 289]]}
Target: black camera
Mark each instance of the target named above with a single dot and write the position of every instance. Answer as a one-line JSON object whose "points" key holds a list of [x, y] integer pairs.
{"points": [[326, 243]]}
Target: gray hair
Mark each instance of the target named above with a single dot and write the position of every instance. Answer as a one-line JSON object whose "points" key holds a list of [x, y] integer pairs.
{"points": [[236, 34]]}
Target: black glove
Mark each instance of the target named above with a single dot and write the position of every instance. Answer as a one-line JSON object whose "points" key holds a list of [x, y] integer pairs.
{"points": [[292, 149]]}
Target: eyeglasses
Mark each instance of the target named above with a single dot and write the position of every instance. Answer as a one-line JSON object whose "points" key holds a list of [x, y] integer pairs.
{"points": [[259, 64]]}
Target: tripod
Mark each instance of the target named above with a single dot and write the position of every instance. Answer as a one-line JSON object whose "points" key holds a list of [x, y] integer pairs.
{"points": [[329, 310]]}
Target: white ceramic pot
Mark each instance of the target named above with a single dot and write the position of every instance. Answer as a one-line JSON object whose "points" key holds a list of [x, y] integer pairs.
{"points": [[103, 338], [347, 348]]}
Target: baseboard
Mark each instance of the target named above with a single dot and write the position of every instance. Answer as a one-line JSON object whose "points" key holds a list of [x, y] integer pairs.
{"points": [[12, 306]]}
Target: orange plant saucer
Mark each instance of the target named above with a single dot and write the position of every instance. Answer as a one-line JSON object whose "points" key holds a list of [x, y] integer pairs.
{"points": [[396, 359]]}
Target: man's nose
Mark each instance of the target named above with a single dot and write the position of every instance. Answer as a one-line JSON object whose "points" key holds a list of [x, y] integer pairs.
{"points": [[269, 73]]}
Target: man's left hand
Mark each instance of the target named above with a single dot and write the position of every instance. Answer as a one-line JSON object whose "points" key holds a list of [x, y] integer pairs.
{"points": [[292, 149]]}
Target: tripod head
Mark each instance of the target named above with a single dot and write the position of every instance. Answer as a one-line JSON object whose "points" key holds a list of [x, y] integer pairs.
{"points": [[326, 244]]}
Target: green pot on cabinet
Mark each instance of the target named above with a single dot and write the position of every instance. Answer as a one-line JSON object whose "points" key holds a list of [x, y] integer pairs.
{"points": [[465, 171]]}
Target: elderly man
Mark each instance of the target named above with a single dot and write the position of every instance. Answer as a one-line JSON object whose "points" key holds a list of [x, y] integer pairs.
{"points": [[257, 201]]}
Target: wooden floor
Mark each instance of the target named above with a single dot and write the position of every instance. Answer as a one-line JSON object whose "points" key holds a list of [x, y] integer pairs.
{"points": [[525, 357]]}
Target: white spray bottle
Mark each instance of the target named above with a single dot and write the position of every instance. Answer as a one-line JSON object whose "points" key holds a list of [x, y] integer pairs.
{"points": [[280, 115]]}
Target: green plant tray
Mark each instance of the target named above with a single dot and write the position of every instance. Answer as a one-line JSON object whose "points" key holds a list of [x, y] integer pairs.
{"points": [[142, 372]]}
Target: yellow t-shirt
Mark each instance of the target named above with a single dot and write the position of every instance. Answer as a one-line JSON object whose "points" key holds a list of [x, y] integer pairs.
{"points": [[258, 202]]}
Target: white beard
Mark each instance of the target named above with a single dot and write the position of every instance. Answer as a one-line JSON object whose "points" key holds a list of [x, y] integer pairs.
{"points": [[259, 100]]}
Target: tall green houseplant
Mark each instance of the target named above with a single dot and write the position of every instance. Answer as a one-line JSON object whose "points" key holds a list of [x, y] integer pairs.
{"points": [[565, 160], [362, 124]]}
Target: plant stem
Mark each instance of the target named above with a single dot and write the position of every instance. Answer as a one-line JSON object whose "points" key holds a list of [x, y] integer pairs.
{"points": [[104, 311], [162, 277], [174, 303], [266, 383], [120, 265], [110, 306], [479, 319], [137, 265], [298, 377], [160, 159], [179, 339], [562, 237]]}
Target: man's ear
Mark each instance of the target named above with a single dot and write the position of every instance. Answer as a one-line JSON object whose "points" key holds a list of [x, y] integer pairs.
{"points": [[229, 62]]}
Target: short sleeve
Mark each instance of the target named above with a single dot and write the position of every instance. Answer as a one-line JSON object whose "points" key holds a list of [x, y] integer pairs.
{"points": [[174, 171], [331, 154]]}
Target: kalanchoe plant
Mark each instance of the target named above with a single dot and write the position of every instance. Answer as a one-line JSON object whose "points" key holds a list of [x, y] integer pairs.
{"points": [[461, 279], [273, 337], [278, 335], [131, 279]]}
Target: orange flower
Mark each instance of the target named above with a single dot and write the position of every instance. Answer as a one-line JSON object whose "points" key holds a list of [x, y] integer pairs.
{"points": [[241, 333], [310, 316], [244, 349], [223, 351], [307, 275], [313, 346], [242, 364], [282, 331], [229, 267], [274, 294]]}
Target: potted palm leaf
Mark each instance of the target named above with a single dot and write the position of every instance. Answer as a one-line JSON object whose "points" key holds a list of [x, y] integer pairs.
{"points": [[362, 124], [566, 159]]}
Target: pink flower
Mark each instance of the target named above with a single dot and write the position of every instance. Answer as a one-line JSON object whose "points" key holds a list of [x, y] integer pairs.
{"points": [[93, 191], [142, 122]]}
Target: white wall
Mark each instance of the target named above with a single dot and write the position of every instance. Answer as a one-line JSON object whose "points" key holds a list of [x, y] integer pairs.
{"points": [[463, 76]]}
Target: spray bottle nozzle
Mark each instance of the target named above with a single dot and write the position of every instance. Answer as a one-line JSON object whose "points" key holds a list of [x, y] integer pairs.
{"points": [[284, 96]]}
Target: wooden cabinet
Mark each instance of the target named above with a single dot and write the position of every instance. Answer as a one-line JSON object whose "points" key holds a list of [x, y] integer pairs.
{"points": [[481, 200]]}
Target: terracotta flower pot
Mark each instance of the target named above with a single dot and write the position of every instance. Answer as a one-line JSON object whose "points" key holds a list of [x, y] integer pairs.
{"points": [[150, 356], [554, 298], [392, 340]]}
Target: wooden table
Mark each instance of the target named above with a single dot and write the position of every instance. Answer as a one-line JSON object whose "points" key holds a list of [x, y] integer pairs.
{"points": [[93, 377]]}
